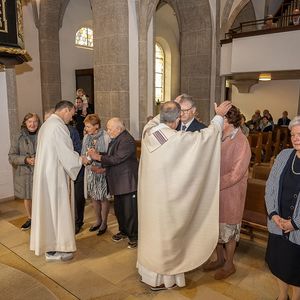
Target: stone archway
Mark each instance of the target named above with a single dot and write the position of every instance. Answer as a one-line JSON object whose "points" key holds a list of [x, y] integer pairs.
{"points": [[195, 26], [196, 53], [227, 21]]}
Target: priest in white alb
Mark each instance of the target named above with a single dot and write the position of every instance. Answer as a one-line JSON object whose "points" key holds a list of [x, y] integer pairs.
{"points": [[178, 197], [52, 230]]}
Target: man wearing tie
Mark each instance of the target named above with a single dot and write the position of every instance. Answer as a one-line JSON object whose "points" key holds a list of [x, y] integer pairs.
{"points": [[187, 116]]}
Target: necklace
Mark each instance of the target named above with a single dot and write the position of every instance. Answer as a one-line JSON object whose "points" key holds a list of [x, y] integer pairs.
{"points": [[293, 166], [231, 135]]}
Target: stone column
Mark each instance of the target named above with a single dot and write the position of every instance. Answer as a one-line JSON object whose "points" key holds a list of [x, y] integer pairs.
{"points": [[196, 47], [145, 10], [218, 81], [12, 102], [111, 59], [48, 25]]}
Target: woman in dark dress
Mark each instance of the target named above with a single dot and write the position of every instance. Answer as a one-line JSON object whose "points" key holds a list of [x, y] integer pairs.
{"points": [[283, 206]]}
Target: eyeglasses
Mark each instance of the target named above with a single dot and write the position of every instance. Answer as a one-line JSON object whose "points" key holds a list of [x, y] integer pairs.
{"points": [[186, 110]]}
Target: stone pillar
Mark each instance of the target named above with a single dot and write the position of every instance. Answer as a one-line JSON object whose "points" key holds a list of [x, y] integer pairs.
{"points": [[48, 25], [218, 81], [145, 10], [111, 59], [196, 45], [12, 103]]}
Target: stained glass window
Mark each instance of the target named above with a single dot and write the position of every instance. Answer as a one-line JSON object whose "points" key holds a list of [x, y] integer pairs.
{"points": [[84, 37], [159, 73]]}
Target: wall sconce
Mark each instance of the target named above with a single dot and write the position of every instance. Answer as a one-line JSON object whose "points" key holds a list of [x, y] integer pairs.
{"points": [[265, 77]]}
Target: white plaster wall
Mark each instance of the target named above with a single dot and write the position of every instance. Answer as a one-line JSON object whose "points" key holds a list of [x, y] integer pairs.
{"points": [[267, 52], [275, 95], [166, 29], [28, 76], [225, 61], [78, 14], [6, 176]]}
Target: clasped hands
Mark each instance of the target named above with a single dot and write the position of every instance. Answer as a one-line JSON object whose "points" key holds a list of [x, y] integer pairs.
{"points": [[283, 224], [91, 154], [30, 161]]}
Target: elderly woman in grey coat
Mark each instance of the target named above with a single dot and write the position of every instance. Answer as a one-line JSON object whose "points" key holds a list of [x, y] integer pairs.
{"points": [[22, 157], [283, 205]]}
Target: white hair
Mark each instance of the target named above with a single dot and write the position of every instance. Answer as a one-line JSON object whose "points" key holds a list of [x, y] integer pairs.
{"points": [[294, 122]]}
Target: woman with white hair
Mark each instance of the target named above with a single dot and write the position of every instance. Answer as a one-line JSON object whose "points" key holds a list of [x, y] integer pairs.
{"points": [[283, 205]]}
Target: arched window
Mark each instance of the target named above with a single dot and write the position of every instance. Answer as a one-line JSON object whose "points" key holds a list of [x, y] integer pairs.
{"points": [[84, 38], [159, 73]]}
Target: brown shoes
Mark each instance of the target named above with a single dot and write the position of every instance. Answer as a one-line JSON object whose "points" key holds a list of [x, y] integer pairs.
{"points": [[222, 273]]}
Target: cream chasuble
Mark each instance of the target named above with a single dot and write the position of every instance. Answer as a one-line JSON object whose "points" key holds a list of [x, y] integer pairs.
{"points": [[52, 227], [178, 197]]}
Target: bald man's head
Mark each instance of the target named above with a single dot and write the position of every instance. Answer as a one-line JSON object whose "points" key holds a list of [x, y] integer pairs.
{"points": [[115, 126]]}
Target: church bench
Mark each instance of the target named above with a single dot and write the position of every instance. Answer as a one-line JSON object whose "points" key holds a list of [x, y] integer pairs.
{"points": [[255, 213]]}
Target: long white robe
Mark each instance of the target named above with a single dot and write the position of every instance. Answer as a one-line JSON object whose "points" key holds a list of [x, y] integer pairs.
{"points": [[52, 226], [178, 198]]}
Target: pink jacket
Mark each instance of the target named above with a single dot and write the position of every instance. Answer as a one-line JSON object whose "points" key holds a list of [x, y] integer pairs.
{"points": [[235, 158]]}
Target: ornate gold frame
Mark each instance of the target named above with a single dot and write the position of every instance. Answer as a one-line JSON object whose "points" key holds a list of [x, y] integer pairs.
{"points": [[16, 51]]}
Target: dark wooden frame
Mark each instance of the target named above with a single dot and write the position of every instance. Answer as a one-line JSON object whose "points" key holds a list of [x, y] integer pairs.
{"points": [[86, 72]]}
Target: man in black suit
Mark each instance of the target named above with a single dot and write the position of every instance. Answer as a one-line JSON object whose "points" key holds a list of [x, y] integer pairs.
{"points": [[284, 121], [122, 174], [187, 116]]}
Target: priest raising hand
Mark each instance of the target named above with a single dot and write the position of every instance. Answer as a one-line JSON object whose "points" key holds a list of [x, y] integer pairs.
{"points": [[178, 194]]}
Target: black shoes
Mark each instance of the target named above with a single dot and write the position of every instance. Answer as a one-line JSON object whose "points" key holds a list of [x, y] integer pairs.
{"points": [[132, 244], [94, 228], [77, 229], [26, 225], [162, 288], [118, 237], [102, 231]]}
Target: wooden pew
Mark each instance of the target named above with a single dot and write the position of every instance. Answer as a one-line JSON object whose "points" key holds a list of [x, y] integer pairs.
{"points": [[267, 145], [261, 171], [255, 213], [255, 142]]}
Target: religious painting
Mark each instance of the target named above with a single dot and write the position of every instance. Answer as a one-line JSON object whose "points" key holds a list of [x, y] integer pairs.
{"points": [[3, 20], [11, 33], [11, 23]]}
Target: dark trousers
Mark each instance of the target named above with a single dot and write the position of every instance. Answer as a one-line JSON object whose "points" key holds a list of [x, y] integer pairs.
{"points": [[126, 212], [79, 201]]}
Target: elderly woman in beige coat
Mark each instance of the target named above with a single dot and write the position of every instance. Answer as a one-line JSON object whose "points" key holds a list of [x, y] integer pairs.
{"points": [[235, 158]]}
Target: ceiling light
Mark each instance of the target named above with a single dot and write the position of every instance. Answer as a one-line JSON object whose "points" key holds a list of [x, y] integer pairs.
{"points": [[265, 77]]}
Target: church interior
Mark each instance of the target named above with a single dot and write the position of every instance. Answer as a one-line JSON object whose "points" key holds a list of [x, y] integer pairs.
{"points": [[130, 56]]}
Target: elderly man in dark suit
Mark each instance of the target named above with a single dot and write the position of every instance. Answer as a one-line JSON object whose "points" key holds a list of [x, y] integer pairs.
{"points": [[188, 122], [122, 174]]}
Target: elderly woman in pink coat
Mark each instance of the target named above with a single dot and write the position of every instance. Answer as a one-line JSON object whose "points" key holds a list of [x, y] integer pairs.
{"points": [[235, 158]]}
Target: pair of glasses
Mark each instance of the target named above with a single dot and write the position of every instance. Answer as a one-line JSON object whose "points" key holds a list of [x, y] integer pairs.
{"points": [[186, 110]]}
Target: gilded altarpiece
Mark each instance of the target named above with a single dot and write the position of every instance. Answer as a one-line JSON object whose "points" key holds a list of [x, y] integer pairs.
{"points": [[11, 33]]}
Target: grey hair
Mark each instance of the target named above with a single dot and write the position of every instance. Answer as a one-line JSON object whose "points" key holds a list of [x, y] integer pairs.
{"points": [[119, 123], [169, 112], [186, 98], [294, 122]]}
